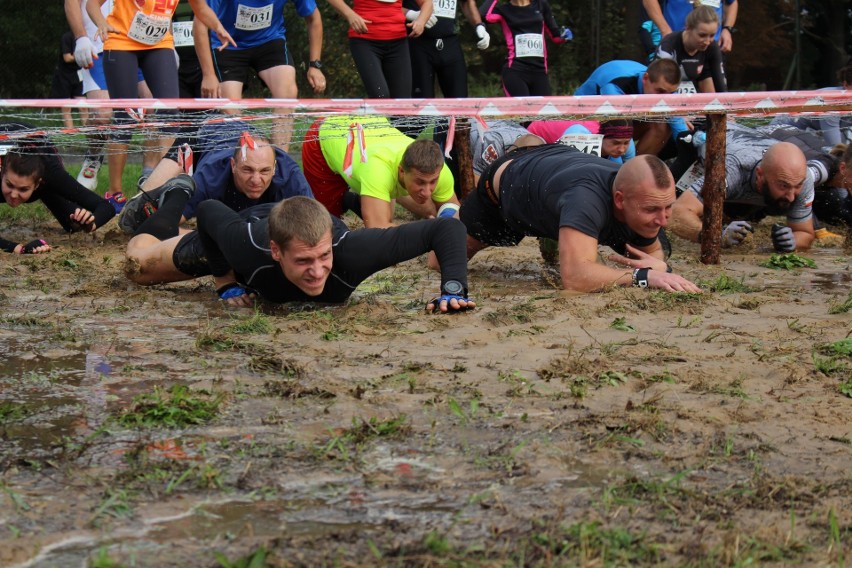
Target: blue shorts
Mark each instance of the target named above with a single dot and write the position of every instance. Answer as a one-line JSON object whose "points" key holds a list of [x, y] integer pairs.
{"points": [[94, 78]]}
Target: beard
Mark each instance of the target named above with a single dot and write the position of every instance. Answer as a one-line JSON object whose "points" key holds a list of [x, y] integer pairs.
{"points": [[773, 206]]}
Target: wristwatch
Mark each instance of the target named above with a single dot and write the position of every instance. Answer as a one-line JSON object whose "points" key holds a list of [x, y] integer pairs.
{"points": [[640, 277], [316, 64], [729, 28], [453, 288]]}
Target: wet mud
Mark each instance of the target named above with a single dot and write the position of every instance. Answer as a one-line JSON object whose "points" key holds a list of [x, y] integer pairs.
{"points": [[155, 427]]}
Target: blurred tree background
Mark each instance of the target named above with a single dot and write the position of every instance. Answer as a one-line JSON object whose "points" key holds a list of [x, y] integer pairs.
{"points": [[766, 54]]}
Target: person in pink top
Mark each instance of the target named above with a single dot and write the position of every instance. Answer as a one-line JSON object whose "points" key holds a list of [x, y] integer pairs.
{"points": [[524, 23]]}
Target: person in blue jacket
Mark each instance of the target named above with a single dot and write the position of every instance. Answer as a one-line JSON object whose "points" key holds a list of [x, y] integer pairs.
{"points": [[624, 77], [235, 165]]}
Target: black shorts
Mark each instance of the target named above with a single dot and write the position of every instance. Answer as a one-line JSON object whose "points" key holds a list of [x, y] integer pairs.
{"points": [[484, 220], [189, 256], [66, 86], [234, 64]]}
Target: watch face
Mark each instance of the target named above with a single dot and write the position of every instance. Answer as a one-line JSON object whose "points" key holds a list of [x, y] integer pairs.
{"points": [[453, 287]]}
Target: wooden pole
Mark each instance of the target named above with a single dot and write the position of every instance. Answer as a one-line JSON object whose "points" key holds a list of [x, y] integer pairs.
{"points": [[465, 160], [713, 192]]}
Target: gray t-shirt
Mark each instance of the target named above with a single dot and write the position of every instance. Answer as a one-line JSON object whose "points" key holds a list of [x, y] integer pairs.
{"points": [[744, 150], [489, 144]]}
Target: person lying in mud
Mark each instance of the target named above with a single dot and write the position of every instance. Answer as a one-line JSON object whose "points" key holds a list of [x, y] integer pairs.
{"points": [[292, 251], [234, 164], [762, 177], [32, 170], [582, 201]]}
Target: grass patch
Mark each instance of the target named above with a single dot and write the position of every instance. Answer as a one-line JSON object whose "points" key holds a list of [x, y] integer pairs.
{"points": [[176, 407], [257, 323], [842, 307], [788, 261], [833, 359], [344, 442], [725, 284]]}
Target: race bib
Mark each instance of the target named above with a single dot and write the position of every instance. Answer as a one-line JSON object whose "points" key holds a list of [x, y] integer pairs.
{"points": [[587, 143], [444, 9], [712, 3], [149, 30], [692, 175], [686, 87], [249, 18], [529, 45], [182, 32]]}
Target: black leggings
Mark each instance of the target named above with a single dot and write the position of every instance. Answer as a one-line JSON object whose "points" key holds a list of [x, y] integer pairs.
{"points": [[442, 57], [384, 66], [160, 71], [526, 82]]}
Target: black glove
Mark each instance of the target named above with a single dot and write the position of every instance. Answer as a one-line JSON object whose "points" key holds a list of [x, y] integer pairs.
{"points": [[783, 238], [30, 247]]}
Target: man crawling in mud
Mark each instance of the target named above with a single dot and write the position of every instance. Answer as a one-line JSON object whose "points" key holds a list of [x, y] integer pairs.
{"points": [[292, 251], [560, 193]]}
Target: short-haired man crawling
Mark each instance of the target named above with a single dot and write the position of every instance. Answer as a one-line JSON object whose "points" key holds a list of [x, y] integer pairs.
{"points": [[292, 251], [560, 193]]}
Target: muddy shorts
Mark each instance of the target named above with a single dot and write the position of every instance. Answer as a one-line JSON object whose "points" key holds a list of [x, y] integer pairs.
{"points": [[484, 220], [189, 256], [482, 214]]}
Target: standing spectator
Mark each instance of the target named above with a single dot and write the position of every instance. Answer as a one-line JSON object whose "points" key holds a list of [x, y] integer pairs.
{"points": [[697, 53], [258, 28], [66, 83], [524, 23], [670, 16], [438, 52], [378, 41]]}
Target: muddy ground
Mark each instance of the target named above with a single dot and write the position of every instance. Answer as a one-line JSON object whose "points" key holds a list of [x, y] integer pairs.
{"points": [[629, 427]]}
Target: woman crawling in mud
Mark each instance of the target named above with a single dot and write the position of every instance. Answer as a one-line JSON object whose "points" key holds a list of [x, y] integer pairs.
{"points": [[32, 171]]}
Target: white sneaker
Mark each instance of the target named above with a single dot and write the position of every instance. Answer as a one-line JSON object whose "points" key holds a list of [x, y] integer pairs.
{"points": [[88, 176]]}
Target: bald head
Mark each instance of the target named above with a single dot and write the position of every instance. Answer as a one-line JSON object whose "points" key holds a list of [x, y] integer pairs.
{"points": [[643, 194], [645, 171], [781, 176], [784, 155]]}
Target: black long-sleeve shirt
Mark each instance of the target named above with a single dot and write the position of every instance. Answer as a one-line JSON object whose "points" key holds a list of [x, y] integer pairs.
{"points": [[59, 191], [231, 242]]}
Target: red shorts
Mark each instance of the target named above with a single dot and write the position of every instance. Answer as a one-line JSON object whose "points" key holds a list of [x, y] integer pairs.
{"points": [[328, 186]]}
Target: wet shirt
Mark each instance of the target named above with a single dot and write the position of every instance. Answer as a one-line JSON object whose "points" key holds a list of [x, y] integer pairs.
{"points": [[556, 186], [378, 175], [214, 180], [523, 29], [230, 242], [255, 22], [744, 150], [703, 65]]}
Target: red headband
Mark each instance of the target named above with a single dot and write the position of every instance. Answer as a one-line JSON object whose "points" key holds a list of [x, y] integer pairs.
{"points": [[617, 130]]}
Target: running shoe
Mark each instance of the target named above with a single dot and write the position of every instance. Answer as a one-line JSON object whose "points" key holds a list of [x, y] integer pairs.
{"points": [[145, 203], [88, 176], [117, 200]]}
